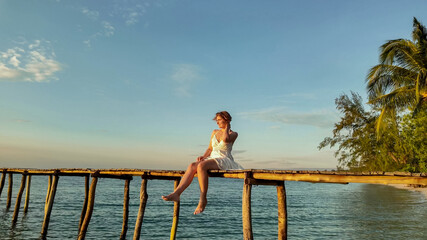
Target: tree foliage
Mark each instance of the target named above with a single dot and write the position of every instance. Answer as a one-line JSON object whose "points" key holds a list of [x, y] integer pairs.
{"points": [[399, 82], [402, 146], [392, 134]]}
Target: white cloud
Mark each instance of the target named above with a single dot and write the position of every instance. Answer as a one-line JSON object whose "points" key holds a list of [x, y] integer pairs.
{"points": [[108, 29], [35, 63], [318, 118], [90, 13], [184, 76]]}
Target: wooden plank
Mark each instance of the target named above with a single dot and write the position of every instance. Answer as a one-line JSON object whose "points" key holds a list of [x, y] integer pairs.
{"points": [[89, 210], [27, 195], [175, 215], [281, 175], [143, 196], [49, 206], [282, 212], [18, 199], [9, 191], [324, 178], [246, 211], [125, 210]]}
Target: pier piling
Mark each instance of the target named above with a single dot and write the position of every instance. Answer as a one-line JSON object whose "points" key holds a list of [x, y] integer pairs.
{"points": [[9, 191], [3, 178], [246, 209], [83, 214], [125, 209], [282, 211], [89, 210], [175, 214], [18, 199], [27, 194], [143, 196], [49, 204]]}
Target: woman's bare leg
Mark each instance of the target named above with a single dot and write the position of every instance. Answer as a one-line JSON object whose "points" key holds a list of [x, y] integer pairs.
{"points": [[202, 175], [184, 183]]}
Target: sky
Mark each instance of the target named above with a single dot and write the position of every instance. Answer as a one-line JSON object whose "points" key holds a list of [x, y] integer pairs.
{"points": [[135, 84]]}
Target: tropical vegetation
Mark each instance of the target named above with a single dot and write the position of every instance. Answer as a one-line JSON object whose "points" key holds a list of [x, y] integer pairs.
{"points": [[392, 134]]}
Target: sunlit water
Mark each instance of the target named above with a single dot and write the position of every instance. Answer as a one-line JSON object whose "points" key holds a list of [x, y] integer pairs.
{"points": [[315, 211]]}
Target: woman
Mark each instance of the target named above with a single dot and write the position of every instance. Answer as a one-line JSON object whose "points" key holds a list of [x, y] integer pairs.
{"points": [[217, 156]]}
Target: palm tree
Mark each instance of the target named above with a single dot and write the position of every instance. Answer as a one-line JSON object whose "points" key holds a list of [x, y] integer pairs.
{"points": [[399, 82]]}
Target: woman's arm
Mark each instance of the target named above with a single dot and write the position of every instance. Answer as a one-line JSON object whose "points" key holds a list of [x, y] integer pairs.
{"points": [[229, 136], [209, 150]]}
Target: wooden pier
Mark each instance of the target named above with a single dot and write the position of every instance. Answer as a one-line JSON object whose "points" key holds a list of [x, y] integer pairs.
{"points": [[251, 177]]}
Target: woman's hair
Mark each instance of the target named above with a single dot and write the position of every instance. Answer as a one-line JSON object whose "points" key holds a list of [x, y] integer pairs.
{"points": [[223, 114]]}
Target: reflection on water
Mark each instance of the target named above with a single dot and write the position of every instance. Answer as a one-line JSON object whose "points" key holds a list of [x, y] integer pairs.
{"points": [[315, 211]]}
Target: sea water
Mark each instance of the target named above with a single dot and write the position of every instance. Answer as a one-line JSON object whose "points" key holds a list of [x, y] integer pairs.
{"points": [[315, 211]]}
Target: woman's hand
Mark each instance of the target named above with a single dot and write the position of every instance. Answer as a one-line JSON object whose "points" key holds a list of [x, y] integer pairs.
{"points": [[200, 158], [227, 127]]}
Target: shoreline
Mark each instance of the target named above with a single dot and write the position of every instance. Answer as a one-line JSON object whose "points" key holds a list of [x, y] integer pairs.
{"points": [[410, 188]]}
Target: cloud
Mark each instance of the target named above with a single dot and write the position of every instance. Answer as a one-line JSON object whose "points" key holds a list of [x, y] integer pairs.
{"points": [[184, 76], [318, 118], [131, 15], [94, 15], [108, 29], [33, 62]]}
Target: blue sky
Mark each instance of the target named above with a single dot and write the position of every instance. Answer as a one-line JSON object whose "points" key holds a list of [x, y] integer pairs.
{"points": [[135, 84]]}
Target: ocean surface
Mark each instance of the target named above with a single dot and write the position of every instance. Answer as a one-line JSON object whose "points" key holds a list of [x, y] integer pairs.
{"points": [[315, 211]]}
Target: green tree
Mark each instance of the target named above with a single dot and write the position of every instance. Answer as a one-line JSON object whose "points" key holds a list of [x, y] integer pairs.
{"points": [[401, 147], [355, 136], [399, 82]]}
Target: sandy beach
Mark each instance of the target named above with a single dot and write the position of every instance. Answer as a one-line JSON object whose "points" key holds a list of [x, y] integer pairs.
{"points": [[405, 186]]}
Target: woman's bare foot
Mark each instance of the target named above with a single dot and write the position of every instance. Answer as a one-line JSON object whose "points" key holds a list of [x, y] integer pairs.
{"points": [[201, 207], [171, 197]]}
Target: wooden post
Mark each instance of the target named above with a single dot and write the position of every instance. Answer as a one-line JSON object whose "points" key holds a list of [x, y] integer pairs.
{"points": [[143, 201], [91, 203], [9, 191], [82, 216], [281, 206], [49, 205], [49, 186], [175, 215], [18, 199], [27, 195], [246, 210], [125, 210], [3, 178]]}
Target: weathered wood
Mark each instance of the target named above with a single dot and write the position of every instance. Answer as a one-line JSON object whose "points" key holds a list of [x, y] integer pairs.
{"points": [[175, 215], [18, 199], [89, 210], [3, 178], [125, 210], [246, 211], [252, 181], [48, 209], [27, 195], [260, 174], [9, 191], [49, 187], [82, 215], [325, 178], [143, 196], [282, 212]]}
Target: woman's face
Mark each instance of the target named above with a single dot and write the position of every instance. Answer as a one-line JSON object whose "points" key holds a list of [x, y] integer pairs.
{"points": [[221, 121]]}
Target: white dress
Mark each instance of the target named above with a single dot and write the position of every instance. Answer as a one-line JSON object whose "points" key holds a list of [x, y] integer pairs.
{"points": [[221, 153]]}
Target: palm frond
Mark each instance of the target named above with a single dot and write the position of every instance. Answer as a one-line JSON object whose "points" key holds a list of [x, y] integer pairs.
{"points": [[401, 52]]}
